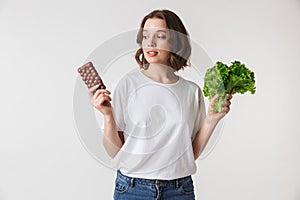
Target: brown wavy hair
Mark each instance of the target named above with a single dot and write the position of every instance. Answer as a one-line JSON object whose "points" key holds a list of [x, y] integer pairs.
{"points": [[180, 43]]}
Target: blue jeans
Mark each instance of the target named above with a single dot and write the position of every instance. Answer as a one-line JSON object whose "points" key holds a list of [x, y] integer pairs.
{"points": [[129, 188]]}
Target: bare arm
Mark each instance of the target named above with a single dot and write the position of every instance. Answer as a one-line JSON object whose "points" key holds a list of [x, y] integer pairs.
{"points": [[208, 126], [112, 140], [203, 136]]}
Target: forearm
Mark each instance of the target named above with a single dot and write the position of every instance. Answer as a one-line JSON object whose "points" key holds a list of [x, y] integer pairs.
{"points": [[203, 136], [111, 140]]}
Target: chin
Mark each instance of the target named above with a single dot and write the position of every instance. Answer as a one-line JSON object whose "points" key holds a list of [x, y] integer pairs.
{"points": [[154, 61]]}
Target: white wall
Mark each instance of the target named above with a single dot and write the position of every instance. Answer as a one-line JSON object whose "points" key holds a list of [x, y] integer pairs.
{"points": [[43, 42]]}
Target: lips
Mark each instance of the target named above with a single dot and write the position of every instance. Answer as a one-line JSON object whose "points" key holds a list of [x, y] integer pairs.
{"points": [[152, 53]]}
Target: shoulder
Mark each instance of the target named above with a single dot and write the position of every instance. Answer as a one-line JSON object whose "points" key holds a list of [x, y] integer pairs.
{"points": [[192, 89], [191, 84], [130, 78], [125, 81]]}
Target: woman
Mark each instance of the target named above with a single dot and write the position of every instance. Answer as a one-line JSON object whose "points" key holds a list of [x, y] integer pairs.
{"points": [[155, 125]]}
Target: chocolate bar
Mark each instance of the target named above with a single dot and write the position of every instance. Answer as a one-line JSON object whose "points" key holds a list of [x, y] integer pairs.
{"points": [[90, 76]]}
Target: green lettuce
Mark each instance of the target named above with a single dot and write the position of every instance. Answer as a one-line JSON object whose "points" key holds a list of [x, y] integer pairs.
{"points": [[222, 80]]}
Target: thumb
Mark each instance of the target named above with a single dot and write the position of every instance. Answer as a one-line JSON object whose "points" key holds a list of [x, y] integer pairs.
{"points": [[212, 101]]}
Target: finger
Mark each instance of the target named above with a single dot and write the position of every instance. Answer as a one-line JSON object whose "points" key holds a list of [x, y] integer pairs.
{"points": [[101, 95], [105, 91], [225, 109], [93, 89], [101, 101], [229, 96], [101, 91], [96, 94], [107, 98], [212, 101], [226, 103]]}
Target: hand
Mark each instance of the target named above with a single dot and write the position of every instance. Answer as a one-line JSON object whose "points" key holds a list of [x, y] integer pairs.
{"points": [[217, 116], [100, 99]]}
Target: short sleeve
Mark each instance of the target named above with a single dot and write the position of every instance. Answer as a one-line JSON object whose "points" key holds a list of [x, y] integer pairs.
{"points": [[118, 103], [200, 113]]}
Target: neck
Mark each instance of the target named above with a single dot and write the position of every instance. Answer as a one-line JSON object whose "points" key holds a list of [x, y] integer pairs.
{"points": [[161, 73]]}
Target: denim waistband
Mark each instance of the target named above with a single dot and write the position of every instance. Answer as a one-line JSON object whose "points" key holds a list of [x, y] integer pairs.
{"points": [[143, 181]]}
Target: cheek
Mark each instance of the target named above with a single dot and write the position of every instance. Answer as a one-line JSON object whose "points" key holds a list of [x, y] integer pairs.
{"points": [[144, 44], [164, 45], [165, 54]]}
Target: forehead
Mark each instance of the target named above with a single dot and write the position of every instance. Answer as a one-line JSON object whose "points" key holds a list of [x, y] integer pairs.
{"points": [[154, 24]]}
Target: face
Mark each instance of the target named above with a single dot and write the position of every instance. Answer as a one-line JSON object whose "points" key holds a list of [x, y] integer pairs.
{"points": [[155, 43]]}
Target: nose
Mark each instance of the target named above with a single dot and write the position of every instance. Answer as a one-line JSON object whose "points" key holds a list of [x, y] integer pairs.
{"points": [[151, 42]]}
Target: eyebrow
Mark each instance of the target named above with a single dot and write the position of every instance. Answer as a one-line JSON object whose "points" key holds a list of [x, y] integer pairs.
{"points": [[156, 31]]}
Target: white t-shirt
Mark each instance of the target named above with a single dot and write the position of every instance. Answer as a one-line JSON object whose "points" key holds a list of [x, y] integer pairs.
{"points": [[159, 122]]}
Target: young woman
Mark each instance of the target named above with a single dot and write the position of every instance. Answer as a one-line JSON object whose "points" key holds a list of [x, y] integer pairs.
{"points": [[155, 125]]}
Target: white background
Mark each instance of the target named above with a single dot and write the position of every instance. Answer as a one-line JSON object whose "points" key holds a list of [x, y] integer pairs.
{"points": [[43, 42]]}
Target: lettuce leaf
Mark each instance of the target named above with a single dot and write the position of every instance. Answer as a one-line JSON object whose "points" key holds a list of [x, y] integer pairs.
{"points": [[222, 80]]}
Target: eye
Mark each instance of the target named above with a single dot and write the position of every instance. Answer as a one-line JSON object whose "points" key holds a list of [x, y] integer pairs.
{"points": [[161, 36], [145, 36]]}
